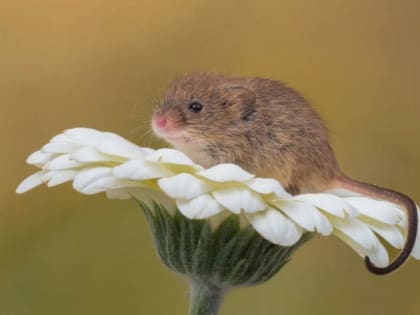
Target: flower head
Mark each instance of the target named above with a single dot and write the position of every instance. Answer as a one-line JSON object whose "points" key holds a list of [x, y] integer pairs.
{"points": [[98, 162]]}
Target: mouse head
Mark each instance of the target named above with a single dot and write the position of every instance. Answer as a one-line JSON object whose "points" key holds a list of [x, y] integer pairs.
{"points": [[201, 108]]}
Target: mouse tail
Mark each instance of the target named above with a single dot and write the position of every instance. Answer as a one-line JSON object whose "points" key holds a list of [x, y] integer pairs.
{"points": [[377, 192]]}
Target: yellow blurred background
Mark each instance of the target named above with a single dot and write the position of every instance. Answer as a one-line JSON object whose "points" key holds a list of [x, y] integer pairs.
{"points": [[104, 64]]}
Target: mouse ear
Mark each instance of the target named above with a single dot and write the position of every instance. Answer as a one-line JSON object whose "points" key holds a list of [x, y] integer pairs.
{"points": [[242, 98]]}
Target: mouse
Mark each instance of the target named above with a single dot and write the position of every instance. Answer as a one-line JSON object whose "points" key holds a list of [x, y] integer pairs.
{"points": [[269, 129]]}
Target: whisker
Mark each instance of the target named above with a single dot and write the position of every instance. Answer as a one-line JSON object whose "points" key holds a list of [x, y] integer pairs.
{"points": [[135, 130]]}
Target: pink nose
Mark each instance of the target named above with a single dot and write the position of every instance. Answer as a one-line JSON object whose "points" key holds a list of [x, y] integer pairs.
{"points": [[160, 122]]}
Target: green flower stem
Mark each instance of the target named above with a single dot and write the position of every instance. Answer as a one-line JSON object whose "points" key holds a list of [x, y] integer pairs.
{"points": [[205, 298]]}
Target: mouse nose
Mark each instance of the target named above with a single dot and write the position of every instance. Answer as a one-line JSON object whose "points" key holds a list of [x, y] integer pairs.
{"points": [[160, 122]]}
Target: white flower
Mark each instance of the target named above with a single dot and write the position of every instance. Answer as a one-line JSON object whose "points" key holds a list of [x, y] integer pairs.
{"points": [[98, 161]]}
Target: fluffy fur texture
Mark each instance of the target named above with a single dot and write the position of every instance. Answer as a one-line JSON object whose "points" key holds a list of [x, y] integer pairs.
{"points": [[260, 124]]}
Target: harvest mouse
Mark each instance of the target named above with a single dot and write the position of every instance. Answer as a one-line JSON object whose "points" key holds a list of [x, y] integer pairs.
{"points": [[268, 129]]}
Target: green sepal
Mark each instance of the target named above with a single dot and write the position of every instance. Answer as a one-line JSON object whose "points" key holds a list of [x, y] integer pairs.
{"points": [[224, 257]]}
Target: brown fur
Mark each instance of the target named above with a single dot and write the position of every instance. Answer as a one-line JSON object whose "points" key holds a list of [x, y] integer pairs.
{"points": [[267, 128], [276, 134]]}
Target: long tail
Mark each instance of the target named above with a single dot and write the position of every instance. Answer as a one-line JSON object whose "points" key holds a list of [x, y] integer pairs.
{"points": [[392, 196]]}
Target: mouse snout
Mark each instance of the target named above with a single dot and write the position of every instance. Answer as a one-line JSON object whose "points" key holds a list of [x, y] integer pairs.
{"points": [[167, 127], [161, 122]]}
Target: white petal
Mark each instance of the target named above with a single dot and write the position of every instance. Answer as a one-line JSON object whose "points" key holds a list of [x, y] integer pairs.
{"points": [[113, 144], [352, 212], [200, 207], [306, 215], [60, 147], [297, 212], [83, 136], [61, 138], [87, 176], [416, 250], [62, 162], [31, 182], [120, 193], [390, 233], [275, 227], [39, 158], [89, 155], [60, 177], [141, 170], [104, 184], [382, 211], [226, 173], [268, 186], [330, 203], [235, 199], [341, 192], [359, 232], [169, 156], [183, 186], [378, 255]]}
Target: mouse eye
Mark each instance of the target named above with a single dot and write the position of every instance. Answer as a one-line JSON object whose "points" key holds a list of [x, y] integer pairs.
{"points": [[195, 107]]}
